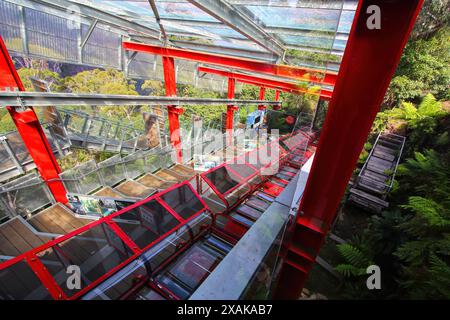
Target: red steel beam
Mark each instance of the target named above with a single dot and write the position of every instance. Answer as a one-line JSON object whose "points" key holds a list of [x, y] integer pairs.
{"points": [[173, 111], [297, 73], [30, 129], [267, 83], [369, 62], [231, 108], [277, 98], [262, 94]]}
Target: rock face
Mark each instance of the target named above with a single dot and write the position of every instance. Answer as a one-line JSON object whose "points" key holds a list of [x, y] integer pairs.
{"points": [[151, 129]]}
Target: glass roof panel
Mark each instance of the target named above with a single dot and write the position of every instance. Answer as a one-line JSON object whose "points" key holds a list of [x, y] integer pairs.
{"points": [[296, 18], [307, 41], [345, 23], [327, 4], [128, 7], [182, 10], [215, 31]]}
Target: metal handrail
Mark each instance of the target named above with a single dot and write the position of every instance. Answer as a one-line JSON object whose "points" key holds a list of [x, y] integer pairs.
{"points": [[94, 117], [391, 183], [397, 163], [370, 154]]}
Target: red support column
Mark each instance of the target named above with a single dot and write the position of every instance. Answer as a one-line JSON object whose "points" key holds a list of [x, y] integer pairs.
{"points": [[277, 98], [30, 130], [369, 63], [262, 93], [173, 111], [230, 108]]}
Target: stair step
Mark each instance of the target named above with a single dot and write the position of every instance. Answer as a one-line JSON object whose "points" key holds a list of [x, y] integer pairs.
{"points": [[379, 164], [383, 155], [57, 219], [374, 176], [131, 188], [386, 149], [389, 144], [17, 238], [108, 192], [392, 139], [356, 193], [371, 185]]}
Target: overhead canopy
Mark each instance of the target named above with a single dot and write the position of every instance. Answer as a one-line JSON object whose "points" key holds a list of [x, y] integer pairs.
{"points": [[310, 34]]}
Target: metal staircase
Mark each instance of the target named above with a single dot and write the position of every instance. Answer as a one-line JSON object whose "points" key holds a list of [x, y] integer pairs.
{"points": [[14, 157], [376, 178], [97, 133]]}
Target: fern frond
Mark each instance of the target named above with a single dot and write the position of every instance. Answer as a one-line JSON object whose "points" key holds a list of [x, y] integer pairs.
{"points": [[348, 270], [353, 255]]}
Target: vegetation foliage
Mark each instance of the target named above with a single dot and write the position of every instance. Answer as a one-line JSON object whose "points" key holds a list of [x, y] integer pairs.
{"points": [[411, 241]]}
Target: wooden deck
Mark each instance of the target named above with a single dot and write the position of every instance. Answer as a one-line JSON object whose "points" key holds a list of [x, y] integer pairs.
{"points": [[57, 219], [183, 170], [16, 238], [163, 174], [134, 189], [179, 176], [151, 181], [108, 192]]}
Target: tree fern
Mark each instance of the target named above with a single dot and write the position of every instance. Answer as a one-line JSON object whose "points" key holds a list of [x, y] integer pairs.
{"points": [[439, 274], [429, 107], [433, 213], [348, 270]]}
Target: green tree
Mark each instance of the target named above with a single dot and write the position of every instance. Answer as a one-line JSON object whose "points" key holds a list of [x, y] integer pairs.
{"points": [[154, 87], [423, 68], [107, 81], [51, 77]]}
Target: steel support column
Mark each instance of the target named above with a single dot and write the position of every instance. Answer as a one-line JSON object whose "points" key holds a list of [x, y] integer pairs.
{"points": [[262, 94], [277, 98], [230, 109], [369, 63], [173, 111], [30, 129]]}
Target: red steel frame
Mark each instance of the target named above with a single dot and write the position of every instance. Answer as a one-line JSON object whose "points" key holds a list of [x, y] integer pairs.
{"points": [[173, 111], [267, 83], [262, 94], [277, 98], [230, 109], [47, 279], [282, 155], [370, 60], [30, 129], [297, 73]]}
